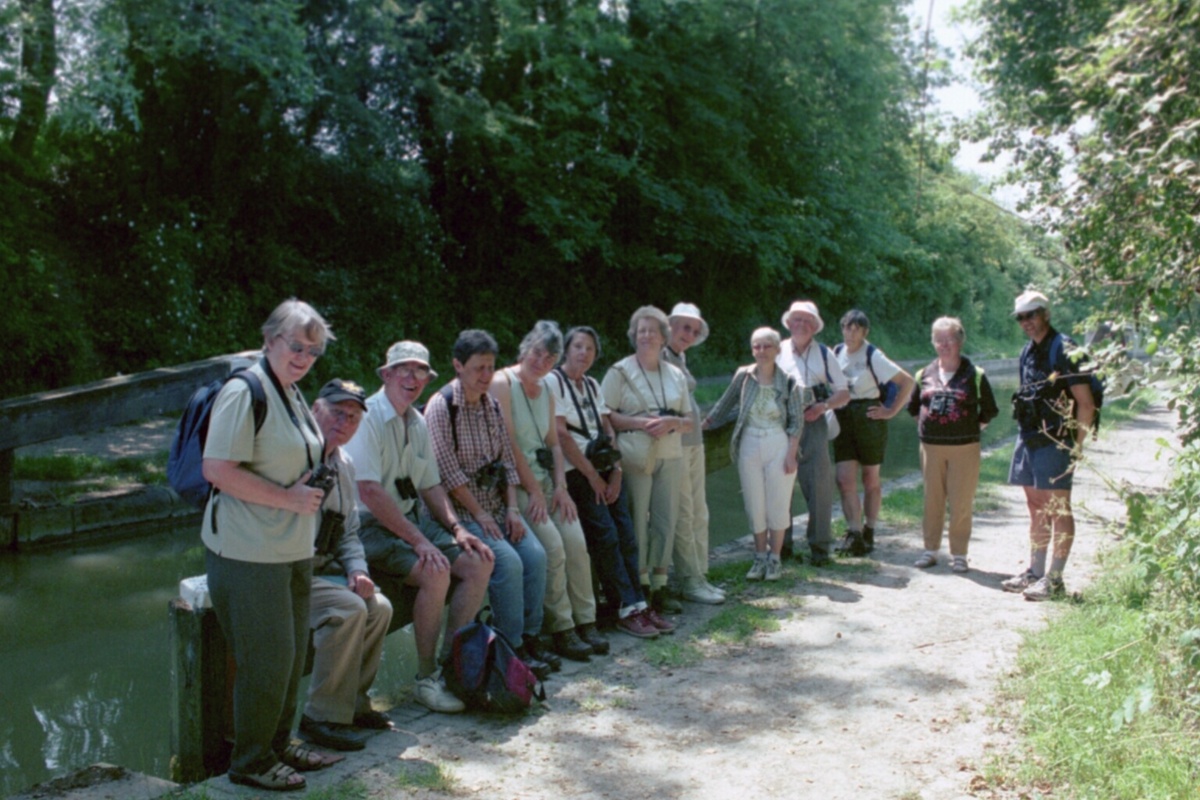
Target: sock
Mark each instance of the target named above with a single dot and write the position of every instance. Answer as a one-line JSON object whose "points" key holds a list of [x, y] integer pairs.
{"points": [[1037, 562], [1057, 565]]}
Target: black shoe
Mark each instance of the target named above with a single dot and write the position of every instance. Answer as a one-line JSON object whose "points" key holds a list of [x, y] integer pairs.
{"points": [[819, 557], [663, 603], [868, 539], [568, 645], [788, 553], [852, 545], [589, 634], [538, 667], [334, 735], [535, 648], [372, 720]]}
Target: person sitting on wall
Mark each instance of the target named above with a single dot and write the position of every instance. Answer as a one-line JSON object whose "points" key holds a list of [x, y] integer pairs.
{"points": [[409, 529], [348, 617]]}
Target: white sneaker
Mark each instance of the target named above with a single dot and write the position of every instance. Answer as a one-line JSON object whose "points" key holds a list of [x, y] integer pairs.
{"points": [[774, 569], [432, 693], [697, 590], [758, 569], [712, 588]]}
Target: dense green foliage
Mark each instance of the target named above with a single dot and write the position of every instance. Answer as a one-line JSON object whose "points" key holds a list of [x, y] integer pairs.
{"points": [[172, 170], [1094, 97]]}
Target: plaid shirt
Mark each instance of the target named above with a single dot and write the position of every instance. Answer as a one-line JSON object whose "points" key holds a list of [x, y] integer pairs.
{"points": [[481, 438]]}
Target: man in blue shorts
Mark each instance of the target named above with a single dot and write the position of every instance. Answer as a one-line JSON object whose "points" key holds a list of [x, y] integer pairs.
{"points": [[1054, 412]]}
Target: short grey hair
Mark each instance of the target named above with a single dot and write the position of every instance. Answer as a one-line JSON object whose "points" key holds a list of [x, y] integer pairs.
{"points": [[770, 334], [653, 312], [545, 334], [952, 324], [296, 315]]}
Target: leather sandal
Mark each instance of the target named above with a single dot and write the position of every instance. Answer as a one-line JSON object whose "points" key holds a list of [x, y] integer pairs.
{"points": [[300, 756], [279, 778]]}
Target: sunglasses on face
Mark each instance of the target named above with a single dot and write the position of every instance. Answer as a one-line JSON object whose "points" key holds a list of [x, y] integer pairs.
{"points": [[314, 350], [1028, 315]]}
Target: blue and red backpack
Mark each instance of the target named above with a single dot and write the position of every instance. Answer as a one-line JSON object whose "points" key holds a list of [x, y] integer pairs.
{"points": [[485, 672]]}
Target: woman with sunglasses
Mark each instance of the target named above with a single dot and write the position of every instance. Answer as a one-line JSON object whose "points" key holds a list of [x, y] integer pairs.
{"points": [[528, 411], [259, 527]]}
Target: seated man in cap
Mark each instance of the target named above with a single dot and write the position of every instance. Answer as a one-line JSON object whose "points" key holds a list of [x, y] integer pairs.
{"points": [[409, 529], [690, 556], [349, 619]]}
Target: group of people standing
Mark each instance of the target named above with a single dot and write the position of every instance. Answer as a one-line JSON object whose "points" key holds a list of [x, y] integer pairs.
{"points": [[519, 484]]}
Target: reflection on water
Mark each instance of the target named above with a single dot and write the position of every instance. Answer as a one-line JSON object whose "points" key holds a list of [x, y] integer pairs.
{"points": [[84, 664]]}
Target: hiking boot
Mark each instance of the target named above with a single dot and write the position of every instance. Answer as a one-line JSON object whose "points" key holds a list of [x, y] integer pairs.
{"points": [[818, 556], [1019, 583], [852, 545], [658, 620], [539, 651], [1046, 588], [925, 560], [663, 603], [538, 667], [868, 539], [334, 735], [432, 693], [697, 590], [636, 624], [758, 570], [774, 568], [568, 645], [588, 633]]}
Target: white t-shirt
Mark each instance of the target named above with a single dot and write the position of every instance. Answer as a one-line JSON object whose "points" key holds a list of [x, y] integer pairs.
{"points": [[564, 407], [388, 446], [809, 368], [858, 375]]}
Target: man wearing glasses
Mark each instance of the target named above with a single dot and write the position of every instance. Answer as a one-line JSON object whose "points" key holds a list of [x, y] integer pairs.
{"points": [[1054, 411], [422, 543]]}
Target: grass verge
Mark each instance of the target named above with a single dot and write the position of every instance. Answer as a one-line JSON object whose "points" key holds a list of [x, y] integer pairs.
{"points": [[69, 468]]}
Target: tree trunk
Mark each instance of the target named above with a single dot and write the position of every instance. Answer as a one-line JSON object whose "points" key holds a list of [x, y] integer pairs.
{"points": [[39, 58]]}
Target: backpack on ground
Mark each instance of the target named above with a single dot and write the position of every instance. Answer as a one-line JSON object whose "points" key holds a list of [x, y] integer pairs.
{"points": [[485, 672], [185, 464]]}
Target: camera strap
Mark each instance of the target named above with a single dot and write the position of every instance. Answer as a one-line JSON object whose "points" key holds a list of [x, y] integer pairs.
{"points": [[582, 430], [312, 425], [528, 405]]}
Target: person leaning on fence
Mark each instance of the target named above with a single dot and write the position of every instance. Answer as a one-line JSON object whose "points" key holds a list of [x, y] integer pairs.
{"points": [[648, 403], [258, 530], [769, 407], [475, 458], [409, 530], [690, 553], [348, 617], [528, 410], [953, 403], [862, 443], [813, 367], [1054, 409], [596, 484]]}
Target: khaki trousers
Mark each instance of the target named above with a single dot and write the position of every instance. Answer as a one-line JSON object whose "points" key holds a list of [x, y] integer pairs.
{"points": [[951, 473], [654, 506], [348, 634], [690, 553], [570, 600]]}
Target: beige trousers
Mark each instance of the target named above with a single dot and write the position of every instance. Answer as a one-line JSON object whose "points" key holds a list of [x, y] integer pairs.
{"points": [[691, 529], [654, 506], [951, 473], [570, 600]]}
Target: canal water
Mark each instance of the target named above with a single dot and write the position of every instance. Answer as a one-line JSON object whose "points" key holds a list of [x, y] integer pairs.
{"points": [[84, 664]]}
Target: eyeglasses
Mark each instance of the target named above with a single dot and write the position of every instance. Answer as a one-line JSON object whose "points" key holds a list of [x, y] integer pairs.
{"points": [[1028, 315], [341, 416], [314, 350], [418, 372]]}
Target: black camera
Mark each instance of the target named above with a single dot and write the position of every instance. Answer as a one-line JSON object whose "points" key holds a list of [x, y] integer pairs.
{"points": [[821, 393], [941, 404], [405, 488], [333, 525], [545, 458], [668, 412], [602, 454], [324, 477], [492, 477], [1025, 411]]}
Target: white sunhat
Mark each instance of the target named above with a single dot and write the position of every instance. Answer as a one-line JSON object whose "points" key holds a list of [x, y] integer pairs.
{"points": [[407, 350], [1030, 301], [805, 307], [690, 311]]}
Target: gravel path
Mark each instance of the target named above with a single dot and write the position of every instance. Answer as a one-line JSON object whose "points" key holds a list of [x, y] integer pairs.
{"points": [[877, 683]]}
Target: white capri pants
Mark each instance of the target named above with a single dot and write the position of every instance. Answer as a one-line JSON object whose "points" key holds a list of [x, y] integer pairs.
{"points": [[766, 488]]}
